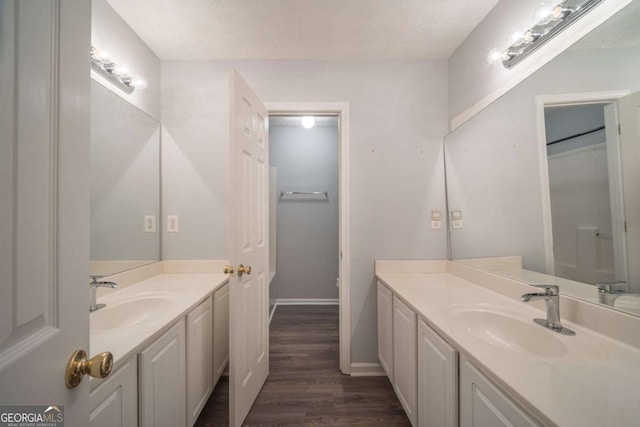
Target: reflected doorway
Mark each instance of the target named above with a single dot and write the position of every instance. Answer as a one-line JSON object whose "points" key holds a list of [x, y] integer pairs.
{"points": [[585, 188]]}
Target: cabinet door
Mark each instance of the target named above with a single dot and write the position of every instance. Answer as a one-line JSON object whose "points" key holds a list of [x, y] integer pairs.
{"points": [[385, 329], [482, 404], [114, 403], [162, 380], [405, 358], [199, 358], [220, 331], [437, 380]]}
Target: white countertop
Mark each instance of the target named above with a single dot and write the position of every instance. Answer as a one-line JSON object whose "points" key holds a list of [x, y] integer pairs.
{"points": [[595, 383], [184, 291]]}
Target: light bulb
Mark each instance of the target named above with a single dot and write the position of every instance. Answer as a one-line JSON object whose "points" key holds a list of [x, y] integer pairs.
{"points": [[121, 70], [103, 56], [560, 12], [516, 38], [494, 56], [139, 82], [308, 122], [542, 14]]}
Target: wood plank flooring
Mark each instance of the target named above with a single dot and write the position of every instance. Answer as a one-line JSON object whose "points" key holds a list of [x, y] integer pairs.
{"points": [[305, 386]]}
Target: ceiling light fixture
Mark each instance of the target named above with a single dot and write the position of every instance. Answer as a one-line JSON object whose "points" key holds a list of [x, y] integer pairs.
{"points": [[119, 75], [308, 122], [549, 19]]}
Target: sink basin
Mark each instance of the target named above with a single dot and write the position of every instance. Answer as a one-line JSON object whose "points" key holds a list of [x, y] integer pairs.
{"points": [[129, 313], [510, 333]]}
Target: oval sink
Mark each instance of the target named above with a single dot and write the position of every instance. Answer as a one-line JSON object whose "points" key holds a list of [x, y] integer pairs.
{"points": [[129, 313], [512, 334]]}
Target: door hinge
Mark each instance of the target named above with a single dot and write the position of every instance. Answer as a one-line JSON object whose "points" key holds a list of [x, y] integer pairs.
{"points": [[619, 129], [625, 226]]}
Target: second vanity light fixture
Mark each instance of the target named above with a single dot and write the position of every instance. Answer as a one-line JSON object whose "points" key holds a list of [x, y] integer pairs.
{"points": [[119, 75], [550, 18]]}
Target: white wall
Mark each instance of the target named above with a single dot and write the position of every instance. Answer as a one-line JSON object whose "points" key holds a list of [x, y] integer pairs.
{"points": [[307, 228], [492, 160], [110, 33], [398, 113], [125, 179], [474, 83]]}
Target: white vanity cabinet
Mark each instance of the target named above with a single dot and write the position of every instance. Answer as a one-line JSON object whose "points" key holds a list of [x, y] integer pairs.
{"points": [[385, 329], [437, 380], [220, 331], [405, 381], [482, 404], [162, 380], [114, 402], [199, 358]]}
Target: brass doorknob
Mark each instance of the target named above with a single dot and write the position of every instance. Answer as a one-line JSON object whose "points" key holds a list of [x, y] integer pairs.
{"points": [[242, 269], [228, 269], [78, 366]]}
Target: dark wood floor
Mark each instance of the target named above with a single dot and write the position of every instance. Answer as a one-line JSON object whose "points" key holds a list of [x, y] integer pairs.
{"points": [[305, 386]]}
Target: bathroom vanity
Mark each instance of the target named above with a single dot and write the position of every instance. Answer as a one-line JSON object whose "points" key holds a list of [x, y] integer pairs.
{"points": [[169, 336], [460, 348]]}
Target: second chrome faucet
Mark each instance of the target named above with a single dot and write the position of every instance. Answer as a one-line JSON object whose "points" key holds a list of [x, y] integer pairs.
{"points": [[551, 295]]}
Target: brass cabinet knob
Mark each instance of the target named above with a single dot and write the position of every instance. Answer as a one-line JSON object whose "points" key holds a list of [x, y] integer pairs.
{"points": [[242, 269], [228, 269], [78, 366]]}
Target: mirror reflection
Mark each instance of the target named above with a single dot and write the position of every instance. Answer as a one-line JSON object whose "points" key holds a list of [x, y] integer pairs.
{"points": [[544, 182], [125, 184]]}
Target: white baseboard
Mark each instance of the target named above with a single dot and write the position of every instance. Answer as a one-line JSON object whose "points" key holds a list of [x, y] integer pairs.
{"points": [[307, 301], [367, 370]]}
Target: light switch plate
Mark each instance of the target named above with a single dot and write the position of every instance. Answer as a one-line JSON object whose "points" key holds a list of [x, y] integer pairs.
{"points": [[436, 225], [456, 223], [172, 223], [150, 224]]}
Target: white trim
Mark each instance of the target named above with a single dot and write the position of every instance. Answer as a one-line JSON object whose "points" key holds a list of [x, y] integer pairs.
{"points": [[546, 53], [542, 101], [306, 301], [273, 311], [342, 109], [359, 369]]}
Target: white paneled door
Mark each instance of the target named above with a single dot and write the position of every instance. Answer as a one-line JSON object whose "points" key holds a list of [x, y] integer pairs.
{"points": [[44, 202], [249, 249], [629, 116]]}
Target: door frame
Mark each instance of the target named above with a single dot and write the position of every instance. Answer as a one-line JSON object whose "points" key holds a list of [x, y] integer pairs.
{"points": [[559, 100], [341, 109]]}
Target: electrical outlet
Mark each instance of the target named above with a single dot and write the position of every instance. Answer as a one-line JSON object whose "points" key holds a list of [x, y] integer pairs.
{"points": [[150, 224], [456, 219], [436, 220], [172, 223]]}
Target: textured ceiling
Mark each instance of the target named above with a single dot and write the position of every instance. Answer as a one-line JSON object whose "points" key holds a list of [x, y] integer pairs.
{"points": [[303, 29]]}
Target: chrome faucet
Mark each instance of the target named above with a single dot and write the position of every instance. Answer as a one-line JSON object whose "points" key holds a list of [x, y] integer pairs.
{"points": [[94, 285], [551, 295], [608, 292]]}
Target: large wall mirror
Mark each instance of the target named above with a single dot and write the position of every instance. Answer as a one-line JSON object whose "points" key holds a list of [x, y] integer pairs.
{"points": [[125, 184], [544, 183]]}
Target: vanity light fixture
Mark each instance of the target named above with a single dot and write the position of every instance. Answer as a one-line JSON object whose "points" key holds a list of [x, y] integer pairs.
{"points": [[550, 18], [308, 122], [119, 75]]}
